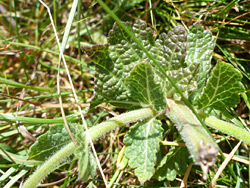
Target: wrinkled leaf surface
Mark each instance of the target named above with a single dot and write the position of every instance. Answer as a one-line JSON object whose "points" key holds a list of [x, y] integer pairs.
{"points": [[142, 142], [50, 142]]}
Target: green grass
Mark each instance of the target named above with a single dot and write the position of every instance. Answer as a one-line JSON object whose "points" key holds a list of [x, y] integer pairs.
{"points": [[29, 58]]}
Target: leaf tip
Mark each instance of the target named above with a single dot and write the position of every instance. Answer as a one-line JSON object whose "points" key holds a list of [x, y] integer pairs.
{"points": [[95, 50]]}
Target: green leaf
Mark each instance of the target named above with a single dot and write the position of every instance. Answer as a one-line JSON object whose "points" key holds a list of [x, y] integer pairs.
{"points": [[200, 47], [185, 58], [144, 89], [199, 54], [173, 163], [50, 142], [116, 59], [142, 142], [86, 161], [170, 51], [222, 88]]}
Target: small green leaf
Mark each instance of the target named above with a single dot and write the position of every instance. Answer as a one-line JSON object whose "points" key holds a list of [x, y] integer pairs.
{"points": [[222, 88], [144, 89], [82, 154], [86, 161], [174, 163], [143, 144], [50, 142]]}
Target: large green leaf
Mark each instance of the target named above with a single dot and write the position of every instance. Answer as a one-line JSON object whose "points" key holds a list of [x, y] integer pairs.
{"points": [[144, 89], [142, 142], [222, 88], [50, 142], [173, 163], [116, 59]]}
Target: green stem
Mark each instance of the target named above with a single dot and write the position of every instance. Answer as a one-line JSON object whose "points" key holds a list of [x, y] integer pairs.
{"points": [[120, 120], [49, 165], [95, 132], [200, 144], [227, 128]]}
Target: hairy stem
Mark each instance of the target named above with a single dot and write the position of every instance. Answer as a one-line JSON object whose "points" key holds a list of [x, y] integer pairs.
{"points": [[227, 128], [200, 144], [95, 132], [49, 165]]}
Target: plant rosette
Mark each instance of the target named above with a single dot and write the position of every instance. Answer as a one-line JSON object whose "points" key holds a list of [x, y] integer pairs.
{"points": [[169, 76]]}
